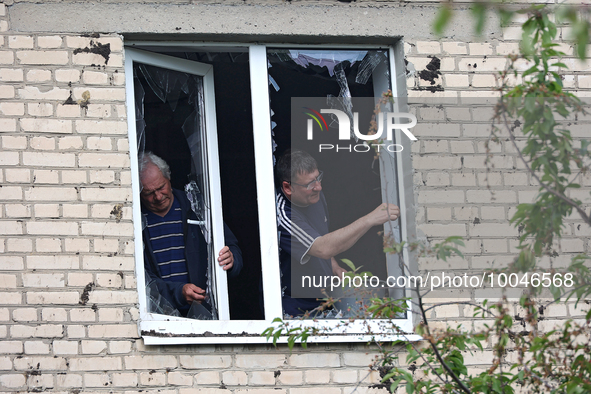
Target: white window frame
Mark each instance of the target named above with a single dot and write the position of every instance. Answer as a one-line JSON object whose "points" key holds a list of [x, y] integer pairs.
{"points": [[160, 329]]}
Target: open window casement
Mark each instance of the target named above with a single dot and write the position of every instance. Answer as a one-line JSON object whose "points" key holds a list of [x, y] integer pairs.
{"points": [[253, 126], [186, 88]]}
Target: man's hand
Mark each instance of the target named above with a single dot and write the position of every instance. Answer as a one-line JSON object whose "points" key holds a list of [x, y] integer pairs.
{"points": [[226, 258], [193, 293], [337, 270], [383, 213]]}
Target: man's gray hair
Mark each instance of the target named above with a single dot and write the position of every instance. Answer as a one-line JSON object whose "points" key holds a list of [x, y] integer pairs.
{"points": [[149, 157], [292, 163]]}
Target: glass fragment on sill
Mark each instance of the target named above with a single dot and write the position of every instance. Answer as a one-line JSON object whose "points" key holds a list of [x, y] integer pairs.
{"points": [[157, 303], [199, 312]]}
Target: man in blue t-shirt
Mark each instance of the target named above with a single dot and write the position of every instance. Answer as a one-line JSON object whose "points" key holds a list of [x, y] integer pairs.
{"points": [[175, 252], [306, 245]]}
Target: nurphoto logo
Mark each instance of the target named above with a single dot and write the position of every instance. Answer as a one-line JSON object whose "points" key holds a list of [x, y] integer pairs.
{"points": [[386, 123]]}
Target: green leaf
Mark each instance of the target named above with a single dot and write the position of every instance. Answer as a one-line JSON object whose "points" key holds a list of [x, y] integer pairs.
{"points": [[442, 19]]}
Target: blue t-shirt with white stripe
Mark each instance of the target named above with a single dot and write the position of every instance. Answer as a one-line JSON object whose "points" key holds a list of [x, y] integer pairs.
{"points": [[166, 238]]}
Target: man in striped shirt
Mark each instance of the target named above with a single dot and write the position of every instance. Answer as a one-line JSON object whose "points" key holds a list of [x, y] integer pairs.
{"points": [[306, 245], [175, 253]]}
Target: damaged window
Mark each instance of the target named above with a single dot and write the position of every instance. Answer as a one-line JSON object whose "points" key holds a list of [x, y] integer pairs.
{"points": [[221, 116]]}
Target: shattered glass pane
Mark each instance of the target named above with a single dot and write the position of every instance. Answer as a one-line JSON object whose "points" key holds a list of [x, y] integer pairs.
{"points": [[369, 63], [157, 303]]}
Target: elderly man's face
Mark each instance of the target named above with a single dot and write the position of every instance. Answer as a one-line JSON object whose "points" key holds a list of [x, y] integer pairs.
{"points": [[156, 192], [300, 195]]}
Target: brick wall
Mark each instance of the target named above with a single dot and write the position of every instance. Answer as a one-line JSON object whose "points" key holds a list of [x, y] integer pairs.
{"points": [[68, 300]]}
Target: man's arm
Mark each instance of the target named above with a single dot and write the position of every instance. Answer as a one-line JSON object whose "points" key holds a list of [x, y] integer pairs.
{"points": [[338, 241]]}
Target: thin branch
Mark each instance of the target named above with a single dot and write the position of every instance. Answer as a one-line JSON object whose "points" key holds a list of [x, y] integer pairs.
{"points": [[567, 200], [438, 355]]}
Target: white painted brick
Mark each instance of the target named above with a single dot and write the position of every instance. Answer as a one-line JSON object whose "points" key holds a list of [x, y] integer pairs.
{"points": [[494, 245], [106, 245], [12, 142], [66, 143], [11, 75], [11, 298], [51, 245], [69, 297], [455, 48], [47, 193], [114, 263], [6, 57], [436, 162], [77, 42], [41, 177], [113, 331], [260, 378], [20, 42], [492, 213], [9, 158], [125, 379], [46, 159], [54, 314], [42, 57], [436, 179], [95, 78], [207, 377], [441, 197], [67, 75], [123, 145], [42, 143], [38, 75], [484, 81], [428, 47], [33, 93], [107, 229], [456, 81], [40, 109], [51, 211], [76, 245], [443, 230], [93, 347], [11, 192], [95, 364], [107, 94], [99, 143], [82, 314], [108, 279], [234, 378], [42, 331], [314, 360], [153, 379], [24, 314], [102, 176], [6, 91], [49, 42], [74, 176], [7, 125], [12, 381], [7, 281], [46, 125], [68, 111], [119, 347], [490, 178], [76, 331], [36, 347], [43, 280], [118, 79], [69, 380], [75, 210], [99, 111], [477, 49], [11, 347], [204, 361], [9, 109], [80, 279], [10, 227], [18, 210], [113, 297], [11, 263], [344, 376], [291, 378], [318, 376]]}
